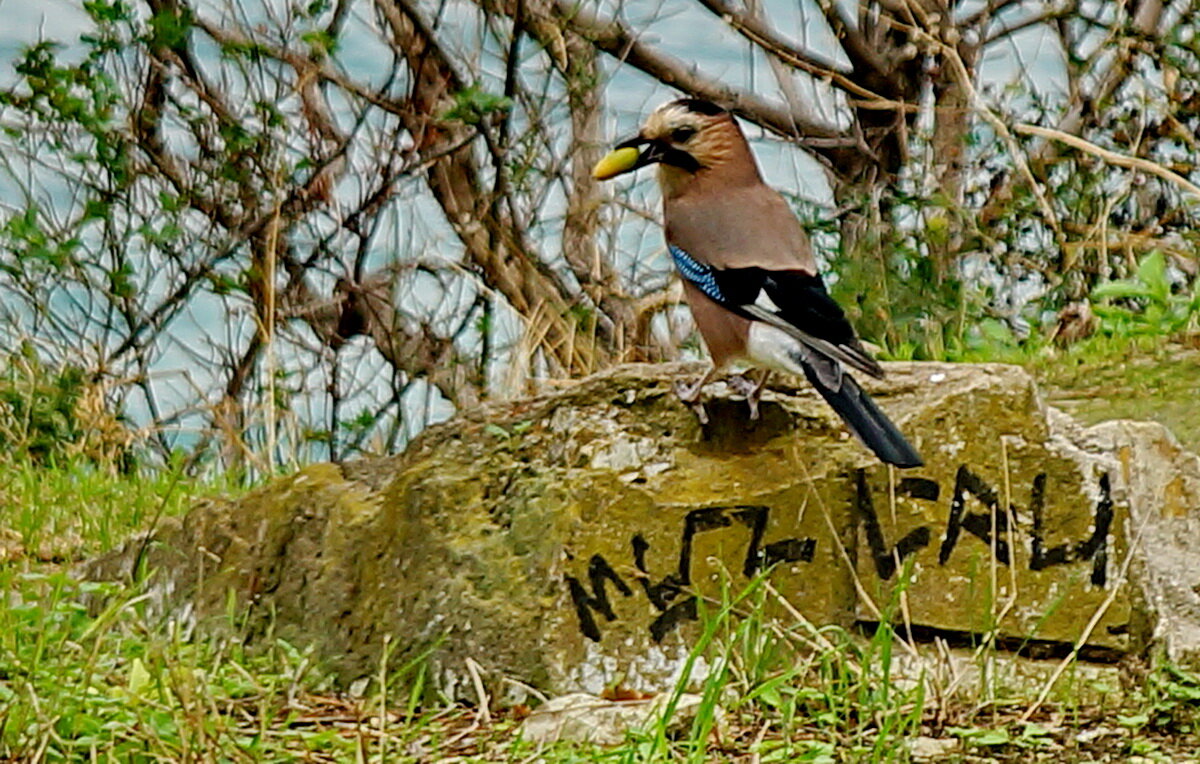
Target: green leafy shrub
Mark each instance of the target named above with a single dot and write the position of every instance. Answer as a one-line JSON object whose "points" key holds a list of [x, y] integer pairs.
{"points": [[54, 414], [1146, 305]]}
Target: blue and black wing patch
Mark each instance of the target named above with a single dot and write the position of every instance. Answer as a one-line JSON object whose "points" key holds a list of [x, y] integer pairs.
{"points": [[793, 301], [704, 277]]}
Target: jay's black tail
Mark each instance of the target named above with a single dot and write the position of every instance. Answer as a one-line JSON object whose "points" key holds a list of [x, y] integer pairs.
{"points": [[860, 413]]}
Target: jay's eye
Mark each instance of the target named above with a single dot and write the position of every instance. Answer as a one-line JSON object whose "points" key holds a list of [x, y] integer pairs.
{"points": [[682, 134]]}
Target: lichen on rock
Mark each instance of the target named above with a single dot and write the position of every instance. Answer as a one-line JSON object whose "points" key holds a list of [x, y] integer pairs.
{"points": [[572, 540]]}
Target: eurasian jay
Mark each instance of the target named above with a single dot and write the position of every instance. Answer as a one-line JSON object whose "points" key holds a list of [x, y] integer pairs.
{"points": [[748, 270]]}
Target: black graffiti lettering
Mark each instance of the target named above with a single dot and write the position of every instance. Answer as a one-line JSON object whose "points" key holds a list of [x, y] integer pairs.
{"points": [[1094, 548], [979, 525], [662, 593], [675, 605], [919, 488], [1040, 557], [887, 559], [697, 521], [789, 550], [754, 518], [669, 619], [599, 571]]}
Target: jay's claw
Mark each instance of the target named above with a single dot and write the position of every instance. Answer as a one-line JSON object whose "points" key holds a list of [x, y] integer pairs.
{"points": [[743, 385], [691, 395]]}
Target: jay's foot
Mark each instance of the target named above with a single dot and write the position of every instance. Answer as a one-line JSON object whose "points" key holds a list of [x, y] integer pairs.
{"points": [[691, 395], [742, 384]]}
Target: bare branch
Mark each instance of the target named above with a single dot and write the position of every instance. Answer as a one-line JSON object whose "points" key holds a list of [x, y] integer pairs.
{"points": [[754, 29], [494, 243], [864, 57], [619, 41], [301, 62], [1112, 157], [1050, 14], [984, 14], [1018, 156], [411, 346]]}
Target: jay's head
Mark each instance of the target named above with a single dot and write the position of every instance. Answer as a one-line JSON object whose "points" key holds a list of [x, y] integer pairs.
{"points": [[684, 137]]}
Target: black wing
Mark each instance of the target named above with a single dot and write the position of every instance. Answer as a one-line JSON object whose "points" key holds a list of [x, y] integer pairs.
{"points": [[798, 304], [792, 301]]}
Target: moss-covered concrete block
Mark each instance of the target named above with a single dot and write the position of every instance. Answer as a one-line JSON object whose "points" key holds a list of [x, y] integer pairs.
{"points": [[576, 540]]}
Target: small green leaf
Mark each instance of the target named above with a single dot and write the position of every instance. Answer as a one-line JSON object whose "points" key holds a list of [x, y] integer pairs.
{"points": [[1133, 721], [473, 103], [320, 41], [497, 430], [1121, 290], [1152, 273], [139, 678], [169, 29], [981, 736]]}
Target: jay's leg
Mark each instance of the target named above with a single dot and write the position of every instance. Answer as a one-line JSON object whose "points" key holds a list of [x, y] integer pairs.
{"points": [[752, 389], [690, 394]]}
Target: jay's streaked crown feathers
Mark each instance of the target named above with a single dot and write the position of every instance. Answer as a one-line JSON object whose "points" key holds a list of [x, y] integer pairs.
{"points": [[747, 267]]}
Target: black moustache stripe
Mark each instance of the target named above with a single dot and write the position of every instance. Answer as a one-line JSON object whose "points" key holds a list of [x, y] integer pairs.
{"points": [[681, 159]]}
